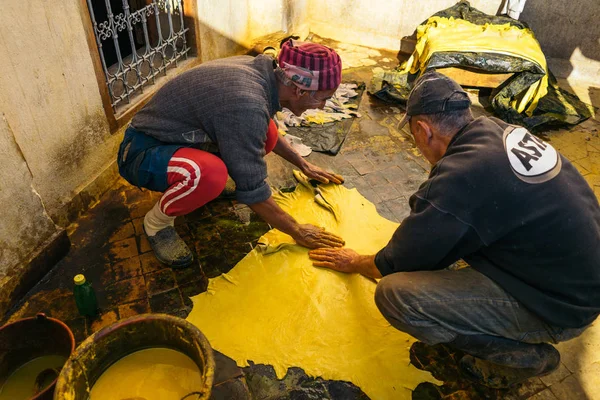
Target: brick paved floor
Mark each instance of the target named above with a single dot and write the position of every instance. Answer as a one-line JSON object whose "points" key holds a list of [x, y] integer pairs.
{"points": [[109, 247]]}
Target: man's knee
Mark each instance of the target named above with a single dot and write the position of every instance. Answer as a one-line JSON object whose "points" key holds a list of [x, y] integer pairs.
{"points": [[208, 168], [272, 137], [403, 300], [392, 297], [195, 178], [213, 176]]}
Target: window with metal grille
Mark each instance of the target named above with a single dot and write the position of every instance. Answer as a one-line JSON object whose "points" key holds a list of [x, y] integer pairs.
{"points": [[138, 40]]}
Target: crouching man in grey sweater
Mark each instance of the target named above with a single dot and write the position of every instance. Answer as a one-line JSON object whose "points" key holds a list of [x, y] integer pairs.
{"points": [[216, 120]]}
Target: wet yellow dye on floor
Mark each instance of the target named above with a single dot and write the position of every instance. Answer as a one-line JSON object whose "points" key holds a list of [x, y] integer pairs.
{"points": [[275, 308]]}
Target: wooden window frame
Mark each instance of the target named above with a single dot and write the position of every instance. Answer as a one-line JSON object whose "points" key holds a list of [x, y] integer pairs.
{"points": [[117, 120]]}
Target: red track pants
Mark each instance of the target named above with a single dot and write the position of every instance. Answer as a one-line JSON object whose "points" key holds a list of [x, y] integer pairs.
{"points": [[196, 177]]}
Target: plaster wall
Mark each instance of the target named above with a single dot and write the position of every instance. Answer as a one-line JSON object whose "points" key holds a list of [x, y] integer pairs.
{"points": [[229, 27], [54, 135], [19, 232], [378, 23], [569, 34], [51, 98], [297, 17]]}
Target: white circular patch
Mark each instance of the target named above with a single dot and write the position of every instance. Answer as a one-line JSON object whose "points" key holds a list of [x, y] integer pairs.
{"points": [[532, 159]]}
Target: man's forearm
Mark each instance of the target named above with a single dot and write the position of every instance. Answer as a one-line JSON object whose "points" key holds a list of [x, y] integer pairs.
{"points": [[284, 150], [272, 214]]}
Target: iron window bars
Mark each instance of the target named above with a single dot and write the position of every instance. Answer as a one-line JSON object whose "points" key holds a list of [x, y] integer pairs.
{"points": [[132, 72]]}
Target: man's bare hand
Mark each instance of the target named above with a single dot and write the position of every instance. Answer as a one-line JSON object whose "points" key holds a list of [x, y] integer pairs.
{"points": [[314, 172], [313, 237], [342, 260], [345, 260]]}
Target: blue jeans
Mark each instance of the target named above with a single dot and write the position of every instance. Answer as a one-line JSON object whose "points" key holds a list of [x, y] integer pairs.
{"points": [[436, 306], [143, 160]]}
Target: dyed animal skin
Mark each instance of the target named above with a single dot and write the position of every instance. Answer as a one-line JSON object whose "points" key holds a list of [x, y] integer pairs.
{"points": [[275, 308]]}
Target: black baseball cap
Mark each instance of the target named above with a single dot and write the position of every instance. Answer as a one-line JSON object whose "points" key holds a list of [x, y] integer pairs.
{"points": [[434, 93]]}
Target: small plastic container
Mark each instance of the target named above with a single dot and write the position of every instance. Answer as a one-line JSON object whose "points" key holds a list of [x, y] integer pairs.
{"points": [[85, 297], [29, 339]]}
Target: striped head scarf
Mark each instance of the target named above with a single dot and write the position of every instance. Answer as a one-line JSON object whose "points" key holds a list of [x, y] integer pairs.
{"points": [[311, 66]]}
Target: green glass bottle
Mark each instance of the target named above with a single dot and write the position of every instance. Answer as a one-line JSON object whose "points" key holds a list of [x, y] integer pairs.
{"points": [[85, 297]]}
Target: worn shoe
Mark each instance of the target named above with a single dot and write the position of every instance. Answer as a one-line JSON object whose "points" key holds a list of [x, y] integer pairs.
{"points": [[500, 377], [170, 249]]}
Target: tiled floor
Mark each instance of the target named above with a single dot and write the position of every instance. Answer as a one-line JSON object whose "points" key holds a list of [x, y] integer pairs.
{"points": [[109, 247]]}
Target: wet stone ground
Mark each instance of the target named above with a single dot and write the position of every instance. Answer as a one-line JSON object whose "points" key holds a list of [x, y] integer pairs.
{"points": [[382, 163]]}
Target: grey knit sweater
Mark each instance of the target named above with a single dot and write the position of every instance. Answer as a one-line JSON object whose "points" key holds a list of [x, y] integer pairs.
{"points": [[220, 106]]}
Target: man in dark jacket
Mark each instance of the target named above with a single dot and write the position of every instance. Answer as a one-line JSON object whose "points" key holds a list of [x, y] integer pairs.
{"points": [[216, 120], [517, 212]]}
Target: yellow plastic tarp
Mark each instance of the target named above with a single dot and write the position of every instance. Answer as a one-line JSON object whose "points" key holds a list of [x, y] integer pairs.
{"points": [[457, 35], [275, 308]]}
